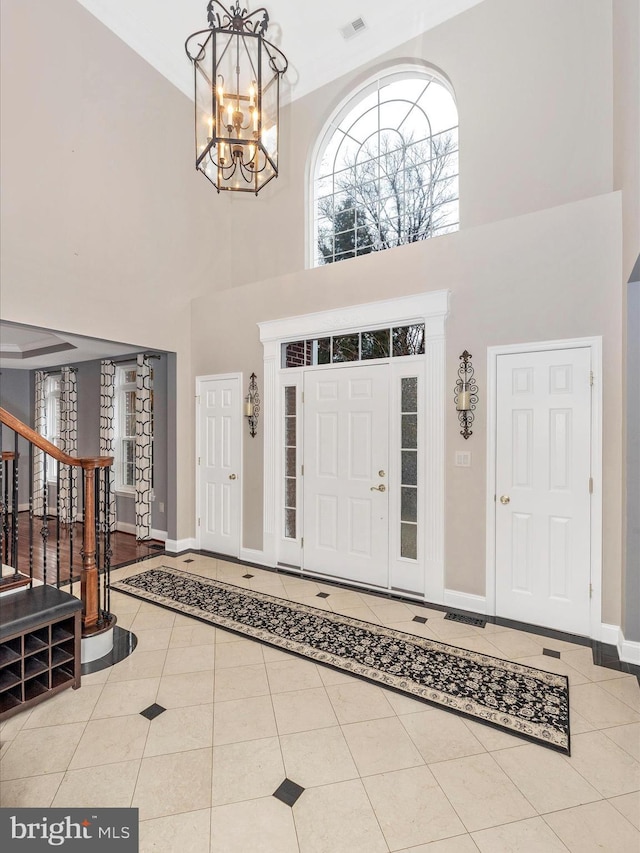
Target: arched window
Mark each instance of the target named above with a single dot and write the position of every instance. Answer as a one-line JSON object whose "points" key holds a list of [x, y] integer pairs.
{"points": [[386, 171]]}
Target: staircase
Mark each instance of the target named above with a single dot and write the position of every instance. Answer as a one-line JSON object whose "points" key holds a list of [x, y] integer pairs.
{"points": [[36, 545]]}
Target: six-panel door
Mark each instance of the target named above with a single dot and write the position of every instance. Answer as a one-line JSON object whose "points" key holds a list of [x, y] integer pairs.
{"points": [[542, 488]]}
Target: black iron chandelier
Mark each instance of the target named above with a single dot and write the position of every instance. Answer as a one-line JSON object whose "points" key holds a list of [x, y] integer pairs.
{"points": [[237, 98]]}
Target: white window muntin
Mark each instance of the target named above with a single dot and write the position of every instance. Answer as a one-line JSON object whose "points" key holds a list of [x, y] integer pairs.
{"points": [[125, 444], [52, 421], [328, 139]]}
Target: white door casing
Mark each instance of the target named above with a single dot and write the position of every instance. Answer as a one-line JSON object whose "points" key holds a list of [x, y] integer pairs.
{"points": [[431, 309], [542, 506], [218, 448], [346, 464]]}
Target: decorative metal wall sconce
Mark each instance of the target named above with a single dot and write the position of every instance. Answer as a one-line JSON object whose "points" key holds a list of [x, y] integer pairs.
{"points": [[466, 394], [252, 406]]}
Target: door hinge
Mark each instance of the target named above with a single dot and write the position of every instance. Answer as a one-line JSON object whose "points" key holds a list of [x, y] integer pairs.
{"points": [[495, 498], [591, 377], [590, 590], [302, 470], [590, 485], [198, 398], [302, 542], [198, 522], [198, 460], [302, 397]]}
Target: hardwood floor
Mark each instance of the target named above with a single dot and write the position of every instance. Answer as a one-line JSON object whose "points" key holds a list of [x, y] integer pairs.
{"points": [[60, 557]]}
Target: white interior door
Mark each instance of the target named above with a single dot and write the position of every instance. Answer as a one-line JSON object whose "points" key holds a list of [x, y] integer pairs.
{"points": [[543, 449], [219, 487], [346, 451]]}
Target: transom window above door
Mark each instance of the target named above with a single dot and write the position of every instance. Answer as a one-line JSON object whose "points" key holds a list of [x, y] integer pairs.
{"points": [[355, 346], [386, 171]]}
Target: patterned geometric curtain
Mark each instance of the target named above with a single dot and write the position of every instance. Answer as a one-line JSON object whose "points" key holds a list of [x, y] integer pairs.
{"points": [[108, 432], [144, 448], [68, 497], [40, 425]]}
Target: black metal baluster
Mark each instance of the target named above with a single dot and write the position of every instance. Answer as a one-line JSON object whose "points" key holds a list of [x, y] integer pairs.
{"points": [[72, 523], [58, 480], [96, 504], [107, 536], [31, 450], [84, 503], [14, 509], [44, 530]]}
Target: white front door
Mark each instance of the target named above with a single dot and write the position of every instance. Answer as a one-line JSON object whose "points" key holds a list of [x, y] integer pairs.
{"points": [[346, 451], [219, 488], [543, 447]]}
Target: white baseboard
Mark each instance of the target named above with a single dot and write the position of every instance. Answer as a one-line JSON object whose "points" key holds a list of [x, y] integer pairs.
{"points": [[51, 511], [465, 601], [609, 634], [128, 527], [177, 546], [628, 650], [252, 555]]}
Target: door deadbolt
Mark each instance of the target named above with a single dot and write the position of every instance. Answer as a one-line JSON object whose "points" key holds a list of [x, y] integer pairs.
{"points": [[232, 476], [381, 473]]}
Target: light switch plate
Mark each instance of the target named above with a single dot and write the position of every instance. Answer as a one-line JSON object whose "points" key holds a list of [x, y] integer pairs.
{"points": [[462, 459]]}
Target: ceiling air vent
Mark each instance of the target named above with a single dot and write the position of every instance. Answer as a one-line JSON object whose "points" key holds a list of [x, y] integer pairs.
{"points": [[353, 28]]}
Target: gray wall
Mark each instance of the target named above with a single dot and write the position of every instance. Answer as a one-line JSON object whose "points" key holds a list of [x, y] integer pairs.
{"points": [[631, 611], [16, 398], [16, 395]]}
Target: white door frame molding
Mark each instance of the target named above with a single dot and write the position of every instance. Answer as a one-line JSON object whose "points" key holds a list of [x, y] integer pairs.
{"points": [[428, 308], [595, 345], [198, 387]]}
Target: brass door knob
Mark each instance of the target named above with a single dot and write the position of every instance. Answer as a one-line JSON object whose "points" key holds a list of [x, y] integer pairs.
{"points": [[505, 499], [380, 488], [232, 476]]}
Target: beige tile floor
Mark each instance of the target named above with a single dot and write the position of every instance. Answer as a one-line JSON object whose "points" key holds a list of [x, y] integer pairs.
{"points": [[381, 772]]}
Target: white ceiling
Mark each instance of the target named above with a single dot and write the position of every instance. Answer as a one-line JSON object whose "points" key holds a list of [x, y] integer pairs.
{"points": [[308, 33], [32, 348]]}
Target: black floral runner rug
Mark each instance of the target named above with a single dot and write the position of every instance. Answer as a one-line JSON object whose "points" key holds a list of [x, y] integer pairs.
{"points": [[519, 699]]}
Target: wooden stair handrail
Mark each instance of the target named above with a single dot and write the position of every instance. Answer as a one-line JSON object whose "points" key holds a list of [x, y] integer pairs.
{"points": [[89, 574], [40, 441]]}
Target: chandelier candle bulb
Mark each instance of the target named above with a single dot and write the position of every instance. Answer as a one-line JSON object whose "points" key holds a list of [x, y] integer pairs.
{"points": [[463, 401]]}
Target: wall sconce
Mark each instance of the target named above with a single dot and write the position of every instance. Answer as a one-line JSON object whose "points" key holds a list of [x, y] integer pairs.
{"points": [[466, 394], [252, 406]]}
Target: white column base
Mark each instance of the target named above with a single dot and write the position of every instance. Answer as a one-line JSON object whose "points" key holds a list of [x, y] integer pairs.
{"points": [[96, 647]]}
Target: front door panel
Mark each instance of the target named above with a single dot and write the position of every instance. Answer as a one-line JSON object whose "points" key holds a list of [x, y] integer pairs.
{"points": [[346, 444]]}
